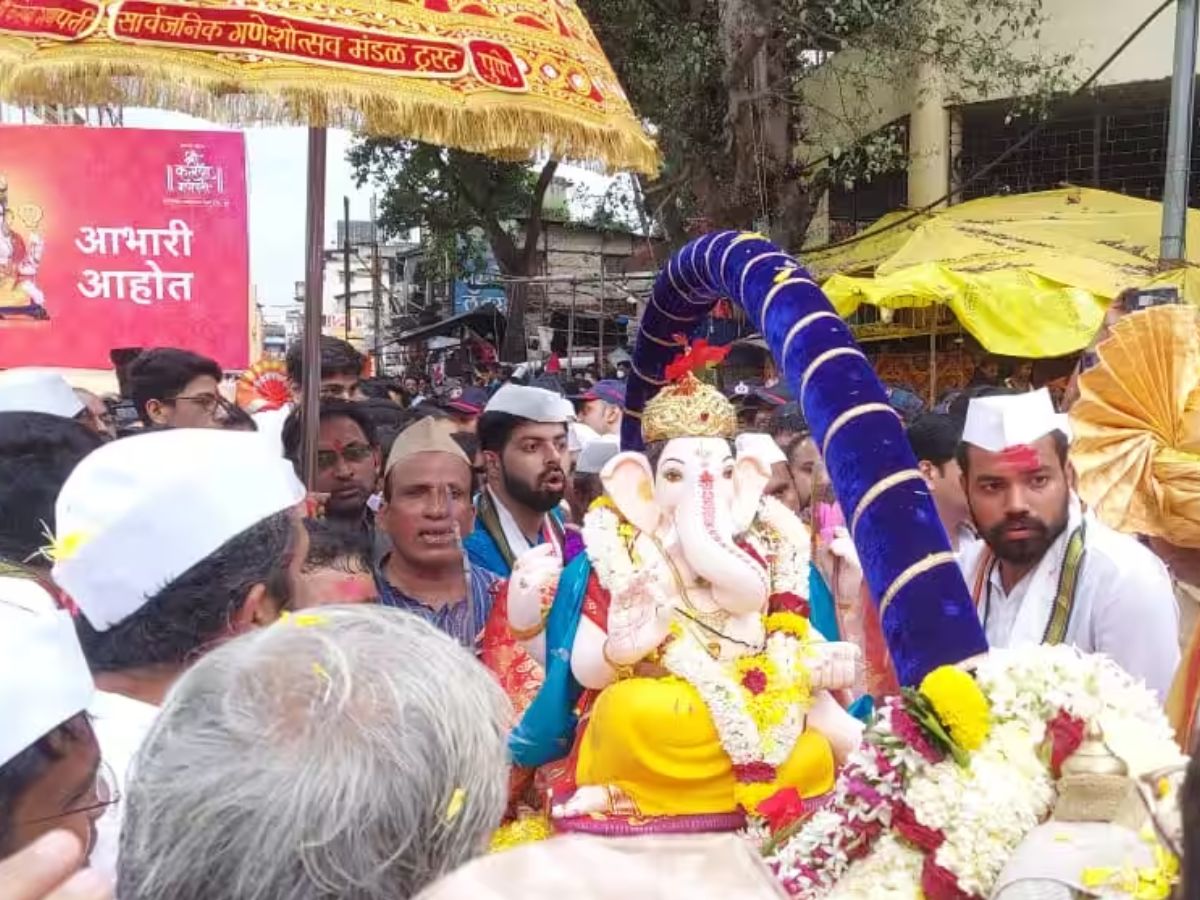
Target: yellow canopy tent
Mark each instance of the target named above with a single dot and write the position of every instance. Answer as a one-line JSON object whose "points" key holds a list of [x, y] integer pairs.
{"points": [[1028, 275]]}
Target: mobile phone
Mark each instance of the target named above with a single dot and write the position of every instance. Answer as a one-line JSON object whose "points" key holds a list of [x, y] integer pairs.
{"points": [[1149, 297]]}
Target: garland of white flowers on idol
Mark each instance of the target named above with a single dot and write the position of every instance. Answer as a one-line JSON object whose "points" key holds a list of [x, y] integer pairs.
{"points": [[758, 702], [950, 778]]}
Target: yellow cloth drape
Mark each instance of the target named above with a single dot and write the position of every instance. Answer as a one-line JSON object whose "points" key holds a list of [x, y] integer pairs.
{"points": [[1028, 275], [655, 739]]}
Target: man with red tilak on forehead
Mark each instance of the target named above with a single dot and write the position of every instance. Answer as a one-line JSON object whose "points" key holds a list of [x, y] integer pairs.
{"points": [[1047, 571]]}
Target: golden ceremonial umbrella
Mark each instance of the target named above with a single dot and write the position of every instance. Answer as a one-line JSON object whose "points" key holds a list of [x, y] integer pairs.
{"points": [[510, 78]]}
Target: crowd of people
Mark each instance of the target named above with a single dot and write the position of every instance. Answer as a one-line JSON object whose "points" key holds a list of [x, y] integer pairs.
{"points": [[222, 683]]}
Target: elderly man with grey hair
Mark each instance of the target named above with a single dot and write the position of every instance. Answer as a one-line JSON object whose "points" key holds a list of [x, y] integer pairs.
{"points": [[352, 752]]}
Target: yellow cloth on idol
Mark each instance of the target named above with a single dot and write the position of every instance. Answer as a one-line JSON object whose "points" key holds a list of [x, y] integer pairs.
{"points": [[655, 739]]}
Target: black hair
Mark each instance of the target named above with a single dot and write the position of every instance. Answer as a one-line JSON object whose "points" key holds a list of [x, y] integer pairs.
{"points": [[331, 408], [337, 358], [495, 429], [333, 546], [793, 448], [185, 617], [37, 453], [788, 418], [468, 442], [20, 772], [237, 419], [933, 438], [162, 373]]}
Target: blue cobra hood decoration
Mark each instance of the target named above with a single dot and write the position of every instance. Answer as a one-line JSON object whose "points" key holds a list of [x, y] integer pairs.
{"points": [[925, 608]]}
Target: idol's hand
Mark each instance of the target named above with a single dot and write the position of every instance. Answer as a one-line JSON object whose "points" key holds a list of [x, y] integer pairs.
{"points": [[48, 869], [638, 622], [834, 666], [531, 587]]}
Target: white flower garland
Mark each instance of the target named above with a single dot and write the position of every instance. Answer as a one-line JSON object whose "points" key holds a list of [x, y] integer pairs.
{"points": [[984, 810], [719, 688]]}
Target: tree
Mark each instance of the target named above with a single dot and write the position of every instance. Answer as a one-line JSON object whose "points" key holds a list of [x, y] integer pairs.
{"points": [[452, 195], [723, 83]]}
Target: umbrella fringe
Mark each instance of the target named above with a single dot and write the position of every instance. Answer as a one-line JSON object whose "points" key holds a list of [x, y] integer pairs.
{"points": [[496, 126]]}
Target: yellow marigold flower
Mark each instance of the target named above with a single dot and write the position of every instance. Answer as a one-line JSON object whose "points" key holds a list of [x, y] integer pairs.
{"points": [[789, 623], [959, 704], [523, 831]]}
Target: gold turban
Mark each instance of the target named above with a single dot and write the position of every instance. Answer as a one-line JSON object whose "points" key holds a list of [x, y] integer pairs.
{"points": [[688, 408], [1136, 426]]}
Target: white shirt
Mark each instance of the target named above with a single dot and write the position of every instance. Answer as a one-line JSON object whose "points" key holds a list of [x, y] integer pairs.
{"points": [[120, 724], [1125, 605], [518, 543]]}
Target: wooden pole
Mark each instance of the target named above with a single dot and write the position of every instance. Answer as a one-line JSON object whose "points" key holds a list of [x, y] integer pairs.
{"points": [[314, 278], [346, 281]]}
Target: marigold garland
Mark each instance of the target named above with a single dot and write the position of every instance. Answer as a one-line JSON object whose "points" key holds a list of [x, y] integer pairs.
{"points": [[788, 623], [959, 704]]}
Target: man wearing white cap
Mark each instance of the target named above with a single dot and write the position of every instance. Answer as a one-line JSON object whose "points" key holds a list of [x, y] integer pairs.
{"points": [[1047, 571], [523, 436], [50, 771], [170, 542], [33, 390]]}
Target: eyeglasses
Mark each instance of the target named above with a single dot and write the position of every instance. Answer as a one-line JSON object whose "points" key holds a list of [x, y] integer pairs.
{"points": [[351, 453], [209, 403], [105, 791]]}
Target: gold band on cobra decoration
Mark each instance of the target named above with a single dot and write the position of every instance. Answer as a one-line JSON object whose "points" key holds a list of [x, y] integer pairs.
{"points": [[801, 325], [638, 372], [852, 413], [672, 317], [873, 492], [657, 340], [755, 261], [762, 318], [630, 412], [824, 358], [916, 569]]}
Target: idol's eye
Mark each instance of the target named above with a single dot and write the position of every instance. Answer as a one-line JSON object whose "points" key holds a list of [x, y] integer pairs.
{"points": [[727, 472], [674, 476]]}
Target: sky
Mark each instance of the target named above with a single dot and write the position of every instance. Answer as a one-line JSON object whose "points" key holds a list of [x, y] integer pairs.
{"points": [[277, 175]]}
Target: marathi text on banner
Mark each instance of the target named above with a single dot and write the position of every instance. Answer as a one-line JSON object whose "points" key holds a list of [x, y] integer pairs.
{"points": [[64, 20], [146, 286], [240, 30]]}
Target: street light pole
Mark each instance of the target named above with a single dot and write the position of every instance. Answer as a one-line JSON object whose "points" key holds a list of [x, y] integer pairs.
{"points": [[1173, 250]]}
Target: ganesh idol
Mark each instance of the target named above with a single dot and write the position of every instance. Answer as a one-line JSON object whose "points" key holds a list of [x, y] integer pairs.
{"points": [[682, 639], [20, 259]]}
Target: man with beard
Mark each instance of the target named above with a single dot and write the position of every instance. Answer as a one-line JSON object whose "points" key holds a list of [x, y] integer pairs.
{"points": [[1047, 571], [523, 436], [347, 461]]}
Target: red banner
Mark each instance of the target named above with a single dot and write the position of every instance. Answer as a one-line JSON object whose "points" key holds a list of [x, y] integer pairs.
{"points": [[120, 237]]}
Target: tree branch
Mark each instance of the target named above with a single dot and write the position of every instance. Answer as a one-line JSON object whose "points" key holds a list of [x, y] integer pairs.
{"points": [[533, 228]]}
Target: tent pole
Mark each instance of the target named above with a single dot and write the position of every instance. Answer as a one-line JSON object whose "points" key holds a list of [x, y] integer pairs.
{"points": [[314, 274]]}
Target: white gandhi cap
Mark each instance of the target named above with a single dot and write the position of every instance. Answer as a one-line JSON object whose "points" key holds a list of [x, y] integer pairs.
{"points": [[31, 390], [534, 404], [44, 679], [138, 513], [1010, 420]]}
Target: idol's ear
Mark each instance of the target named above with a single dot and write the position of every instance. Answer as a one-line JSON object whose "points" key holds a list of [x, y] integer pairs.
{"points": [[750, 477], [629, 482]]}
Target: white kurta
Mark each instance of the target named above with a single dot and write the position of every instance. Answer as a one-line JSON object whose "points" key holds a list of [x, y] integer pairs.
{"points": [[1125, 604], [121, 724]]}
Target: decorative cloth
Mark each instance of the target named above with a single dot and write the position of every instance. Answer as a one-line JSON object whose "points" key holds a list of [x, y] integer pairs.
{"points": [[925, 607], [1137, 426]]}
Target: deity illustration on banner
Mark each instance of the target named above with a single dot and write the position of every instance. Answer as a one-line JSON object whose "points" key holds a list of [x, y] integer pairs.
{"points": [[21, 249]]}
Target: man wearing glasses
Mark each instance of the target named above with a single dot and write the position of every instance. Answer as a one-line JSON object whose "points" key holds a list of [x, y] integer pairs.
{"points": [[51, 774], [174, 388], [347, 461]]}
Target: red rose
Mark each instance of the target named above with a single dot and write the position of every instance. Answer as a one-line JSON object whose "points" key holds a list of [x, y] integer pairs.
{"points": [[782, 808], [1065, 734], [905, 824], [755, 681], [939, 884], [787, 601]]}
